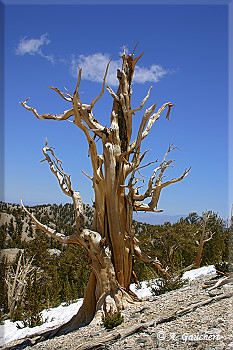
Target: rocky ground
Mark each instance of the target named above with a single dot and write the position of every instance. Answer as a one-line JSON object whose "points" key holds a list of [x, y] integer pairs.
{"points": [[192, 317]]}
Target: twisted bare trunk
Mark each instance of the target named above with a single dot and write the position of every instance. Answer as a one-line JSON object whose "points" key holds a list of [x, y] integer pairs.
{"points": [[111, 244]]}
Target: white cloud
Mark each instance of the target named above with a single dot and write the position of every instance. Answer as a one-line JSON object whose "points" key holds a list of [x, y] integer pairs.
{"points": [[153, 74], [33, 47], [94, 66]]}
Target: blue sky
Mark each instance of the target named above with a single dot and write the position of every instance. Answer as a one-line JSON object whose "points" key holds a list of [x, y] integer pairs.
{"points": [[186, 61]]}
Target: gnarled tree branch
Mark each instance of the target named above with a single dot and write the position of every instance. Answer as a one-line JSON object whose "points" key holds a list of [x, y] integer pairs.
{"points": [[102, 91], [84, 111], [63, 95], [97, 167], [147, 259], [57, 169], [60, 237], [154, 187], [142, 103], [65, 184], [137, 158], [65, 115], [151, 121]]}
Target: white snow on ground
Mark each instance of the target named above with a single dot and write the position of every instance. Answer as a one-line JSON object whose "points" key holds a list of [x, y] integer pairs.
{"points": [[198, 273], [52, 317], [61, 314], [144, 290]]}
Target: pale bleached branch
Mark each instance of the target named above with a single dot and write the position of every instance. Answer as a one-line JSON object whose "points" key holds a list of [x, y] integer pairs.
{"points": [[68, 93], [136, 59], [221, 282], [170, 149], [137, 206], [90, 140], [156, 116], [60, 237], [57, 170], [151, 185], [144, 166], [159, 186], [84, 112], [63, 95], [155, 185], [103, 86], [147, 259], [64, 116], [89, 177], [112, 93], [137, 158], [16, 281], [151, 121], [185, 173], [135, 48], [142, 103], [76, 92], [209, 238], [65, 184]]}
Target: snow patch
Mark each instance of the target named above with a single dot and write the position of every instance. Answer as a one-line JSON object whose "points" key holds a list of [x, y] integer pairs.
{"points": [[61, 314], [199, 273], [52, 317]]}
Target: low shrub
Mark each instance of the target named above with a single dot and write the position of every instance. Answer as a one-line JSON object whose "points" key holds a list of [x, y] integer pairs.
{"points": [[112, 320]]}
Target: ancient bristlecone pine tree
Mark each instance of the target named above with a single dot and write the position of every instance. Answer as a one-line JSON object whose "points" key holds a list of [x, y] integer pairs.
{"points": [[111, 244]]}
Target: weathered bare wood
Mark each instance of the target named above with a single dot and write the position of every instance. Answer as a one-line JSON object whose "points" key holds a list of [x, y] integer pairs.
{"points": [[155, 185], [60, 237], [147, 259], [16, 281], [64, 116], [221, 282], [63, 95], [102, 91], [110, 244], [136, 158], [142, 103], [152, 120]]}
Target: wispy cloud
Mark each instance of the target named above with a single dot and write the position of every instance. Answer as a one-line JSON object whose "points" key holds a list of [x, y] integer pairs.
{"points": [[94, 66], [154, 73], [34, 47]]}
